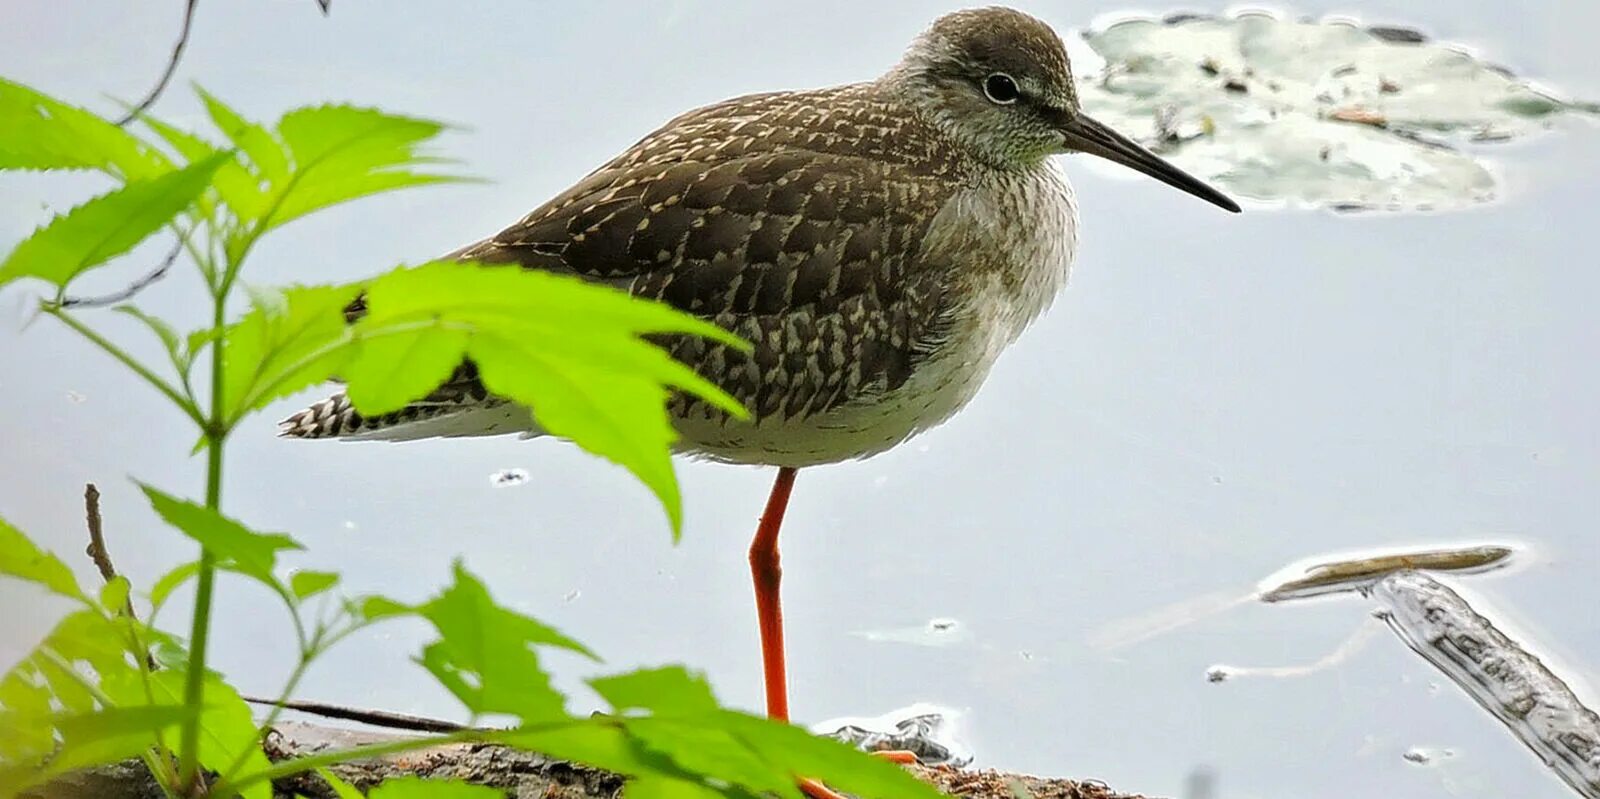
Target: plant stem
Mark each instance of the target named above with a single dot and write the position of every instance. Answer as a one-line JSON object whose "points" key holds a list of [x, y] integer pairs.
{"points": [[177, 397], [216, 435], [265, 728]]}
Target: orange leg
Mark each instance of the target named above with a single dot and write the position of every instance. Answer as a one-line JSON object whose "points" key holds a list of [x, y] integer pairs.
{"points": [[767, 574]]}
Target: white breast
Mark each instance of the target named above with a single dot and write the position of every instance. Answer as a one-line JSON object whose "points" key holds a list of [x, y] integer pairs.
{"points": [[1013, 238]]}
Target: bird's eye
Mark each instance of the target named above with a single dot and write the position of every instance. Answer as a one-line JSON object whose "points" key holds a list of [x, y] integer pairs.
{"points": [[1001, 89]]}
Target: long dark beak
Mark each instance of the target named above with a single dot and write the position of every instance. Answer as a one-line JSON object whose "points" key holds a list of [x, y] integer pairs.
{"points": [[1087, 135]]}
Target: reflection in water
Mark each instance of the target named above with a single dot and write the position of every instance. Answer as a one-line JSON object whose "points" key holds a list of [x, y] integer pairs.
{"points": [[1351, 645], [927, 731], [1503, 676], [934, 632]]}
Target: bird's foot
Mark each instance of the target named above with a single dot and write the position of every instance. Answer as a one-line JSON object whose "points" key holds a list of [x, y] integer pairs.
{"points": [[817, 790]]}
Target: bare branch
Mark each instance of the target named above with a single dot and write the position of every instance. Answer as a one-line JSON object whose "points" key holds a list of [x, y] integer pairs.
{"points": [[133, 288], [376, 718], [97, 541], [172, 66]]}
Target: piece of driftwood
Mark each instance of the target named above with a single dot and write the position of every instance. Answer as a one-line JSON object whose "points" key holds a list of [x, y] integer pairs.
{"points": [[521, 775]]}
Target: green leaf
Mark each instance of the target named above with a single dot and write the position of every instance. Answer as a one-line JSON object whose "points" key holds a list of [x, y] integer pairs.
{"points": [[111, 735], [234, 184], [21, 558], [375, 608], [280, 348], [169, 582], [837, 765], [619, 418], [40, 132], [597, 741], [242, 549], [106, 226], [656, 787], [169, 337], [341, 789], [706, 750], [667, 691], [485, 654], [90, 637], [265, 153], [66, 685], [394, 370], [114, 594], [306, 584], [75, 740], [418, 788], [22, 694], [571, 351], [342, 152], [226, 724]]}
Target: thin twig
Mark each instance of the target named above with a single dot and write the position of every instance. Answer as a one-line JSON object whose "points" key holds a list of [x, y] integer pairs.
{"points": [[102, 558], [172, 66], [377, 718], [133, 288], [97, 541], [325, 5]]}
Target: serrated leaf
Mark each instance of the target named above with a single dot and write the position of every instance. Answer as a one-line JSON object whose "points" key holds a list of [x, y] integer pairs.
{"points": [[837, 765], [226, 724], [106, 226], [619, 418], [40, 132], [266, 154], [390, 371], [169, 582], [570, 351], [169, 337], [66, 685], [89, 637], [22, 559], [242, 549], [418, 788], [111, 734], [342, 152], [485, 653], [306, 584], [666, 691], [706, 750], [275, 351], [234, 184], [114, 594]]}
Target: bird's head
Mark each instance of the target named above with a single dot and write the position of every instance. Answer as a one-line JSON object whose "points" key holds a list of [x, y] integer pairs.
{"points": [[998, 82]]}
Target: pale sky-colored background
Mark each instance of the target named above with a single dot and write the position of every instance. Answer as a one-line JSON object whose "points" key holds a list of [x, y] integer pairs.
{"points": [[1212, 398]]}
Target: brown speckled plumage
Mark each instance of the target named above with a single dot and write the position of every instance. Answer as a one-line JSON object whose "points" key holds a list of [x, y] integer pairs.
{"points": [[879, 244], [792, 219]]}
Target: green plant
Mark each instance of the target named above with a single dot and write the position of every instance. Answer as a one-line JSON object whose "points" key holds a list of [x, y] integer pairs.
{"points": [[106, 685]]}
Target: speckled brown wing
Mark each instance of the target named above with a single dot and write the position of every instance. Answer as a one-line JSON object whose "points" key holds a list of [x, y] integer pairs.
{"points": [[797, 229]]}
